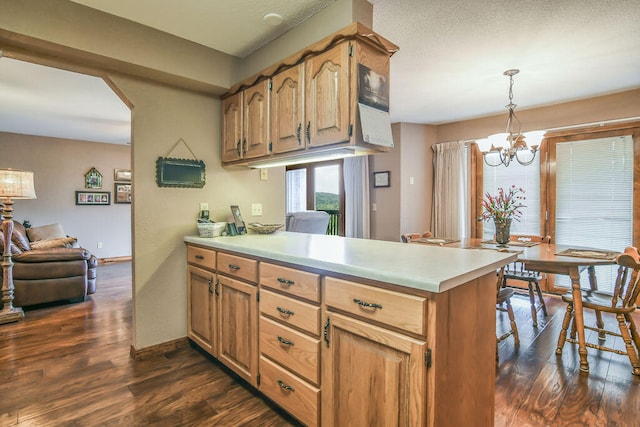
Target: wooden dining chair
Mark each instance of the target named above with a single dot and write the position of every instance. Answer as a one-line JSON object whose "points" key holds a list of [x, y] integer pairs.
{"points": [[408, 237], [622, 302], [516, 271], [503, 304]]}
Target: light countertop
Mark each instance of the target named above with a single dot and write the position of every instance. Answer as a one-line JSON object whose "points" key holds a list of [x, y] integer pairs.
{"points": [[423, 267]]}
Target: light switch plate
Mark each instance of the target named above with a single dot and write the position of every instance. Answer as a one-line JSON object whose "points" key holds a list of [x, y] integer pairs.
{"points": [[264, 174]]}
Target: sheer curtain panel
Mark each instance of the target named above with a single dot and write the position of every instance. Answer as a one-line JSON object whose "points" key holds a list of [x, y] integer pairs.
{"points": [[356, 194], [450, 190]]}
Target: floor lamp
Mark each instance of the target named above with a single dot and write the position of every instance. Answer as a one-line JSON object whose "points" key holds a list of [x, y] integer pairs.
{"points": [[14, 184]]}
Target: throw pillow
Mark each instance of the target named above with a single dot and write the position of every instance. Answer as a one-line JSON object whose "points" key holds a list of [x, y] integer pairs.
{"points": [[15, 250], [45, 232], [60, 242]]}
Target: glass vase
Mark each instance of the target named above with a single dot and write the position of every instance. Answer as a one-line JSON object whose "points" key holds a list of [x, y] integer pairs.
{"points": [[502, 231]]}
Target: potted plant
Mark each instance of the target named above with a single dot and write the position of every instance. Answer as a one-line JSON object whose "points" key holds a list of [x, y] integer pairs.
{"points": [[502, 208]]}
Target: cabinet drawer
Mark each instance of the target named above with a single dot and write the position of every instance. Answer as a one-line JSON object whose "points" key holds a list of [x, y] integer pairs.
{"points": [[205, 258], [291, 312], [406, 312], [296, 396], [294, 282], [293, 349], [238, 267]]}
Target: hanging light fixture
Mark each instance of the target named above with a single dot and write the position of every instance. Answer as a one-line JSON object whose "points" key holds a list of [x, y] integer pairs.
{"points": [[512, 144]]}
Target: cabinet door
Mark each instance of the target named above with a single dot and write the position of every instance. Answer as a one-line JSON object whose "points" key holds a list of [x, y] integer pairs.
{"points": [[232, 128], [201, 308], [386, 367], [287, 110], [238, 327], [327, 97], [255, 142]]}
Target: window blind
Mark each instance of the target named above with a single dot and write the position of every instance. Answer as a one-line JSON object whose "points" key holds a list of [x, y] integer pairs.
{"points": [[594, 199]]}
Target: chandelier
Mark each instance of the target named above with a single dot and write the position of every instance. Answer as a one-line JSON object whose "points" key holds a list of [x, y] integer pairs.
{"points": [[512, 144]]}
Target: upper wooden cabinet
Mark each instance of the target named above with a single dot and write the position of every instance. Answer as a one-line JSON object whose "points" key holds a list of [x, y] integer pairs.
{"points": [[312, 103], [245, 123], [287, 116], [327, 97]]}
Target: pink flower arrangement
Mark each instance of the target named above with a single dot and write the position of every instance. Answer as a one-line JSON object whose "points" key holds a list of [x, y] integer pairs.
{"points": [[503, 206]]}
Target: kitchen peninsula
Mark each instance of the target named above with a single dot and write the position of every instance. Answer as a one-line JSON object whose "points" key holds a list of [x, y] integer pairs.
{"points": [[341, 331]]}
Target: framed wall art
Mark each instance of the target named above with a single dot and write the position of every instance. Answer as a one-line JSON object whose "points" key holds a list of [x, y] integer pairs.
{"points": [[121, 193], [122, 175], [93, 179], [381, 179], [93, 198]]}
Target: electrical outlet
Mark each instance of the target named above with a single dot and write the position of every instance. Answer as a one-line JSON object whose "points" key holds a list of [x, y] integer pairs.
{"points": [[99, 245], [256, 209]]}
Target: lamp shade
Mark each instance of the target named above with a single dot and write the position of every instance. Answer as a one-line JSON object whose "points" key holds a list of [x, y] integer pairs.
{"points": [[16, 184]]}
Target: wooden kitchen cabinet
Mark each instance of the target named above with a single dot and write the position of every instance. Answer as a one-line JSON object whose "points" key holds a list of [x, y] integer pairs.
{"points": [[287, 110], [202, 308], [327, 97], [245, 123], [238, 327], [360, 359]]}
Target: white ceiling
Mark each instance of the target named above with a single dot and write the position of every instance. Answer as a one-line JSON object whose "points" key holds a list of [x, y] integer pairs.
{"points": [[449, 67]]}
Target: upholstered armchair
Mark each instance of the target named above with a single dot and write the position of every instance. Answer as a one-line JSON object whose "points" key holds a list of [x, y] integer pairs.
{"points": [[54, 272]]}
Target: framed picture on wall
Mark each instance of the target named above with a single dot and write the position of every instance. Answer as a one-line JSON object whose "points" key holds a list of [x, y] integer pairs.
{"points": [[93, 198], [122, 175], [381, 179], [121, 193], [93, 179]]}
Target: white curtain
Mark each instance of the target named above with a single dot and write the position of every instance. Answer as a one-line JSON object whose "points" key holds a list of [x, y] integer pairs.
{"points": [[356, 195], [449, 216]]}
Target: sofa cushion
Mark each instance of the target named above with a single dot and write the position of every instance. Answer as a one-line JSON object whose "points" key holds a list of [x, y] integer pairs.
{"points": [[45, 232], [60, 242]]}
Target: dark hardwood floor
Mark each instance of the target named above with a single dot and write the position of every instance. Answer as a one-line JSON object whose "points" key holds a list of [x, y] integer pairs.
{"points": [[69, 365]]}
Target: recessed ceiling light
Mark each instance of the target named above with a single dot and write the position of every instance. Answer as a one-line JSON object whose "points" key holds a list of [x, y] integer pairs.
{"points": [[273, 19]]}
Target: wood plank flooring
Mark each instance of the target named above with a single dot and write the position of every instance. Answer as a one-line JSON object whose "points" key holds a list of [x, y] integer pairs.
{"points": [[69, 365]]}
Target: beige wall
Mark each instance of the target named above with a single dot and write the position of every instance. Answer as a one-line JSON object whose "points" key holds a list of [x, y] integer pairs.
{"points": [[617, 106], [59, 166], [404, 207]]}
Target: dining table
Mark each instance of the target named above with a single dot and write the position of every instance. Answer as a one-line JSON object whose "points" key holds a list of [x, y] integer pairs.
{"points": [[569, 260]]}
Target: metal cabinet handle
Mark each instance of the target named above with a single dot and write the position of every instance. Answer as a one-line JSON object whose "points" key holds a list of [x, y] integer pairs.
{"points": [[285, 282], [366, 304], [199, 257], [325, 331], [308, 132], [285, 387], [210, 288], [298, 132], [234, 267], [284, 341], [244, 145], [285, 311], [238, 147], [216, 288]]}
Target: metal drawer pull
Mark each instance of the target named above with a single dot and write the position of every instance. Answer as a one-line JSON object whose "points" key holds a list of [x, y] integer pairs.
{"points": [[285, 282], [199, 257], [285, 387], [285, 342], [234, 267], [366, 304], [285, 311]]}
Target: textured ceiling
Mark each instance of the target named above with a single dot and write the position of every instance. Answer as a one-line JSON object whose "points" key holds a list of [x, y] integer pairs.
{"points": [[449, 67]]}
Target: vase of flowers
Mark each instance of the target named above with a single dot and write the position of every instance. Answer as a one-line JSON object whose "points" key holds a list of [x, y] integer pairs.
{"points": [[502, 208]]}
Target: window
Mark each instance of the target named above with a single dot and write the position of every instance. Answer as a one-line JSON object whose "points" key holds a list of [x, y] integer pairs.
{"points": [[594, 198], [525, 177], [317, 186]]}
